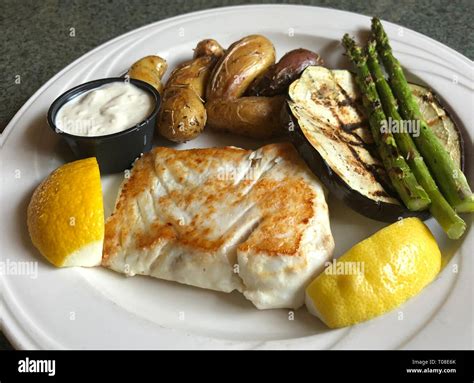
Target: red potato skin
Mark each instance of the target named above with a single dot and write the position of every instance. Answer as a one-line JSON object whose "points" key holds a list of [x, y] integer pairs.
{"points": [[277, 79]]}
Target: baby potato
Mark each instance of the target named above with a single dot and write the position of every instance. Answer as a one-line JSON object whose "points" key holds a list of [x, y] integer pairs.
{"points": [[149, 69], [194, 74], [256, 117], [182, 114], [242, 63], [208, 47]]}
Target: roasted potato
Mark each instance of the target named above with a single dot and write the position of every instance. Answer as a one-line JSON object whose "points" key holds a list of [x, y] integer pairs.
{"points": [[256, 117], [208, 47], [182, 114], [279, 76], [242, 63], [149, 69], [194, 74]]}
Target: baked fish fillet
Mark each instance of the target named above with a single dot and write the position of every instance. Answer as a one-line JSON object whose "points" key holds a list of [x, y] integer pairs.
{"points": [[223, 219]]}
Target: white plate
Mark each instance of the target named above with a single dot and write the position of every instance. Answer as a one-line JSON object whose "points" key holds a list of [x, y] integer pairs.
{"points": [[96, 308]]}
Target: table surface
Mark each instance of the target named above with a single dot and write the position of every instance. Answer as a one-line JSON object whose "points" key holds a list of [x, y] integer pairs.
{"points": [[37, 44]]}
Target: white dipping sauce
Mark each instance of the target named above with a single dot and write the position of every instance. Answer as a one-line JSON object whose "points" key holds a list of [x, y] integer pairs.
{"points": [[108, 109]]}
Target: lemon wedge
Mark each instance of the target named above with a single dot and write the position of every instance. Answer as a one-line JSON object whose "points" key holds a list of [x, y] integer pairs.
{"points": [[66, 215], [376, 275]]}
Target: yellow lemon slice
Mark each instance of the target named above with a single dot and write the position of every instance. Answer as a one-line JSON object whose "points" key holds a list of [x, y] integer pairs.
{"points": [[376, 275], [66, 215]]}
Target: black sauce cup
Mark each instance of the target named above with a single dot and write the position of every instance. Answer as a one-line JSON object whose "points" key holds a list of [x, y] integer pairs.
{"points": [[114, 152]]}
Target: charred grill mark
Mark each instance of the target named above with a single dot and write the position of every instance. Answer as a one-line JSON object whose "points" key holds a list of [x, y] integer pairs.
{"points": [[352, 143], [380, 193], [348, 135], [427, 97], [435, 120], [321, 99], [352, 127], [352, 102], [357, 157], [345, 102], [376, 170], [349, 128], [372, 149]]}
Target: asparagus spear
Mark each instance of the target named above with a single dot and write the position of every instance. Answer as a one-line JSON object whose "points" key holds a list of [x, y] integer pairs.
{"points": [[451, 223], [449, 177], [403, 180]]}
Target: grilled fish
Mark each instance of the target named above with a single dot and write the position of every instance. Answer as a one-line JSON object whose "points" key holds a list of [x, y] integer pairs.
{"points": [[223, 219]]}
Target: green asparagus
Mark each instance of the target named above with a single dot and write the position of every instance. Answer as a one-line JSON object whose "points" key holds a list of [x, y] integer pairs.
{"points": [[403, 180], [451, 223], [449, 177]]}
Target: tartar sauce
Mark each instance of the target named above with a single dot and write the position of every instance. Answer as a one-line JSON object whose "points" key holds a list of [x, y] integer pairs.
{"points": [[108, 109]]}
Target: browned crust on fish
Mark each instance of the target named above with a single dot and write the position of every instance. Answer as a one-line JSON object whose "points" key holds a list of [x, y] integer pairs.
{"points": [[285, 205]]}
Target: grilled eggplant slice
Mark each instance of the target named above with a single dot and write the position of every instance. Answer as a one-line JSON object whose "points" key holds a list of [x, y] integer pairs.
{"points": [[327, 125], [441, 122]]}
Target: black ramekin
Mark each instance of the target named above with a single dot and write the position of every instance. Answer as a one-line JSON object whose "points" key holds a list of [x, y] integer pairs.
{"points": [[114, 152]]}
